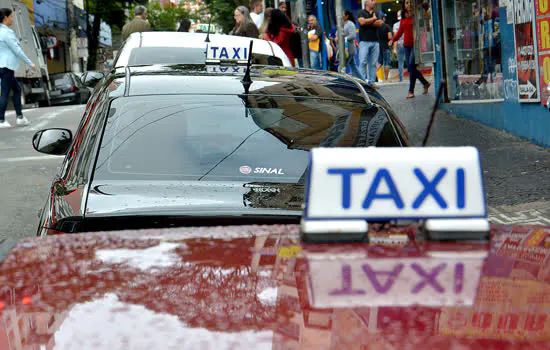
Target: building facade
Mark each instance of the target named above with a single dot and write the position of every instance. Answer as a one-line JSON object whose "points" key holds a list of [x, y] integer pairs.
{"points": [[493, 57]]}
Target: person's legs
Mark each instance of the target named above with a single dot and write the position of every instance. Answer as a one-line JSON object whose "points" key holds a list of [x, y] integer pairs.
{"points": [[409, 59], [314, 58], [5, 87], [16, 98], [363, 55], [387, 61], [400, 61], [350, 63], [373, 53]]}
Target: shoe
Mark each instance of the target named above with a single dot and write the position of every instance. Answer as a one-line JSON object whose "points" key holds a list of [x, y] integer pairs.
{"points": [[21, 121], [426, 87], [5, 124], [410, 95]]}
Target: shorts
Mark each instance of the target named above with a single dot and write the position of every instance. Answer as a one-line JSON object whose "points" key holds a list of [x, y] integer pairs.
{"points": [[384, 59]]}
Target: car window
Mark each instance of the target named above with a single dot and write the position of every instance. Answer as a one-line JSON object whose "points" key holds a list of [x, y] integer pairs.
{"points": [[178, 55], [200, 138]]}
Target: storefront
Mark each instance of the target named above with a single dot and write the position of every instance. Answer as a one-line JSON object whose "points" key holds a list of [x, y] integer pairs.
{"points": [[494, 56]]}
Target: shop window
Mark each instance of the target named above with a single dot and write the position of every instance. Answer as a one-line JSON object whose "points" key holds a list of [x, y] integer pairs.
{"points": [[473, 50]]}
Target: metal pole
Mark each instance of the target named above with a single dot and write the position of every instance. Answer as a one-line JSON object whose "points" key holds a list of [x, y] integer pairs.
{"points": [[341, 38], [301, 19], [322, 47]]}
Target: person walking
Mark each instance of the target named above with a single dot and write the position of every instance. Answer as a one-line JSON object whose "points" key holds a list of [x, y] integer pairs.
{"points": [[384, 36], [406, 29], [244, 26], [369, 48], [350, 33], [314, 35], [265, 23], [257, 12], [280, 31], [11, 54], [398, 49], [138, 24]]}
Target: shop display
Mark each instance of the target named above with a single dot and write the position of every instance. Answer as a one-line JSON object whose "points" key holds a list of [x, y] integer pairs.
{"points": [[473, 51]]}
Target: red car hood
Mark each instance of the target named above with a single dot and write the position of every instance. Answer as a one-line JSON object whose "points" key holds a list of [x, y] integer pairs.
{"points": [[256, 287]]}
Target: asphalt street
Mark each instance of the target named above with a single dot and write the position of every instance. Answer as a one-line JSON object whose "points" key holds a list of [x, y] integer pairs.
{"points": [[516, 172], [25, 174]]}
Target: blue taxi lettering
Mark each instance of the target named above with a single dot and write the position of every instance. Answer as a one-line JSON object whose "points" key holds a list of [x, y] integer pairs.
{"points": [[346, 182], [239, 53], [429, 187], [223, 53], [383, 174]]}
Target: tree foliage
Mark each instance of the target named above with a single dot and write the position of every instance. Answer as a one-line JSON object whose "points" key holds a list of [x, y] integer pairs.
{"points": [[165, 18], [222, 12], [109, 11]]}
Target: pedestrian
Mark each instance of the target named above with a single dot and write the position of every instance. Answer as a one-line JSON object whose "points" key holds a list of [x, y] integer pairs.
{"points": [[11, 54], [263, 27], [282, 6], [138, 24], [384, 36], [243, 24], [257, 12], [398, 49], [369, 48], [314, 35], [185, 25], [406, 29], [350, 33], [280, 31]]}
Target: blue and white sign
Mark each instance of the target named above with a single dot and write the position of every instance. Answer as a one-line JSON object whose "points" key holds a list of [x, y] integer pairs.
{"points": [[226, 53], [395, 183]]}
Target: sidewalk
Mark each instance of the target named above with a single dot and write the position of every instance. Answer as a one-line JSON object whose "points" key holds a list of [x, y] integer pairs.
{"points": [[517, 172]]}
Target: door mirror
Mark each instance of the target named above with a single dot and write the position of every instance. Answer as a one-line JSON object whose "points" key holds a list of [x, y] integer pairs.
{"points": [[92, 78], [53, 141]]}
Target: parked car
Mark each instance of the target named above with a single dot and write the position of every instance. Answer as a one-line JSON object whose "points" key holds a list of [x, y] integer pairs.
{"points": [[67, 88], [164, 146]]}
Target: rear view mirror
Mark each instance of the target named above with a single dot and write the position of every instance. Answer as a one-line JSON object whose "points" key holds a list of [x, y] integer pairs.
{"points": [[53, 141]]}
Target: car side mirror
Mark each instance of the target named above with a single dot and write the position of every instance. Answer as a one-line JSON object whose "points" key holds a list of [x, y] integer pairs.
{"points": [[92, 78], [53, 141]]}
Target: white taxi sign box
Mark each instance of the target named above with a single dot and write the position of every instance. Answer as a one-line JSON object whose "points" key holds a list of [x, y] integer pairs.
{"points": [[221, 53], [342, 282], [377, 184]]}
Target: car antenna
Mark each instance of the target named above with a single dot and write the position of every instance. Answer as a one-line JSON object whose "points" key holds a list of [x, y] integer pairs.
{"points": [[246, 80], [434, 109], [207, 40]]}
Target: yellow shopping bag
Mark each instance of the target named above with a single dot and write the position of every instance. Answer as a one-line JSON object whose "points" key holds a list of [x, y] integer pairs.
{"points": [[380, 73]]}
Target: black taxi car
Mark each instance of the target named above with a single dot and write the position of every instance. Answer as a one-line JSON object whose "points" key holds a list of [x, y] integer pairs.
{"points": [[178, 145]]}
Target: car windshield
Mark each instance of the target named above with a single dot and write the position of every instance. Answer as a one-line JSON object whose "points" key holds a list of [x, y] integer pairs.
{"points": [[183, 55], [200, 138]]}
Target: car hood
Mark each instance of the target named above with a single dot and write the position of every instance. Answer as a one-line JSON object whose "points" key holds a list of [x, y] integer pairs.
{"points": [[260, 287], [193, 198]]}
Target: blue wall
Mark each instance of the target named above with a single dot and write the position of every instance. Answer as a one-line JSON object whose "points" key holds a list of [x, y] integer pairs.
{"points": [[530, 121]]}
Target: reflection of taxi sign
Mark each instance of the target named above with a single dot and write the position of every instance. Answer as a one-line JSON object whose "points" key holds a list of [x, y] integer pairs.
{"points": [[226, 53], [383, 184], [226, 69]]}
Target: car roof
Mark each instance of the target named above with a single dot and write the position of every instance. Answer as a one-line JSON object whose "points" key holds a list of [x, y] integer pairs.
{"points": [[253, 286], [266, 80], [197, 40]]}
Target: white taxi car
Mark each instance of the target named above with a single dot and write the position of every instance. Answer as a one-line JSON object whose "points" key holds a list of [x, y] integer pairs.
{"points": [[189, 48]]}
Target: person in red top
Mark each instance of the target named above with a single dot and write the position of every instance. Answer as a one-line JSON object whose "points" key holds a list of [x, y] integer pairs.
{"points": [[279, 31], [406, 29]]}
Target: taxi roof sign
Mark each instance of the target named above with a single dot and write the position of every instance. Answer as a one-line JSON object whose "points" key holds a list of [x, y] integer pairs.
{"points": [[226, 53], [378, 184]]}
